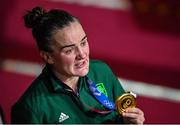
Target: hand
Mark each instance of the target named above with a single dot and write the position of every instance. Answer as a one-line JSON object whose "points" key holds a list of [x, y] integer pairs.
{"points": [[133, 116]]}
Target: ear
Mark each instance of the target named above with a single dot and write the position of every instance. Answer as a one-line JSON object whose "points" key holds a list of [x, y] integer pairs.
{"points": [[46, 56]]}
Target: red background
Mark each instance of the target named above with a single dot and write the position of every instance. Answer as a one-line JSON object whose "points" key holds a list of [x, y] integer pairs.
{"points": [[134, 44]]}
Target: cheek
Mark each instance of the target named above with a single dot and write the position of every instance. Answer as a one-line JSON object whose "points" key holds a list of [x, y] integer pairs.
{"points": [[87, 49], [62, 60], [67, 61]]}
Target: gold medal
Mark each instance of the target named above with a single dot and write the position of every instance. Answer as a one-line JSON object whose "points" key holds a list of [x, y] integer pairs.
{"points": [[126, 100]]}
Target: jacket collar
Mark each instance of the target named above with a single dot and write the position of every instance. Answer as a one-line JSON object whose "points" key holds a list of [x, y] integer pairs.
{"points": [[56, 84]]}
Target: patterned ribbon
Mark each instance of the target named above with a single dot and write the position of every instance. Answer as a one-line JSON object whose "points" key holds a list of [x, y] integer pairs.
{"points": [[99, 95]]}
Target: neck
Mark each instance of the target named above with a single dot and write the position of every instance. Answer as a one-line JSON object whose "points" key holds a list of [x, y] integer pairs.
{"points": [[69, 81]]}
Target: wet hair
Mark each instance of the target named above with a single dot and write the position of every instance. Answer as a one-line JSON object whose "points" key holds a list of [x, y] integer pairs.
{"points": [[44, 24]]}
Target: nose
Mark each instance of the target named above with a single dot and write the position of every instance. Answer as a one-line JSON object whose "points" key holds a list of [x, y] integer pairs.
{"points": [[81, 54]]}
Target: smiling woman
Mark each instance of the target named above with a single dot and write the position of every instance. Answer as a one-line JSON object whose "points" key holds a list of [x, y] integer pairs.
{"points": [[70, 56], [70, 83]]}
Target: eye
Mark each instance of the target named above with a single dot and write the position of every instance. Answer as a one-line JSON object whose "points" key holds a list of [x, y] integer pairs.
{"points": [[84, 43], [68, 51]]}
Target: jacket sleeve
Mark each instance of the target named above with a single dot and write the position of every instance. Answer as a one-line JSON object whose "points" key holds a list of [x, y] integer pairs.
{"points": [[23, 115], [117, 90], [117, 87]]}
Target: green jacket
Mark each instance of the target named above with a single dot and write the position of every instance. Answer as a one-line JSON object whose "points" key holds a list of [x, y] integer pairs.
{"points": [[48, 100]]}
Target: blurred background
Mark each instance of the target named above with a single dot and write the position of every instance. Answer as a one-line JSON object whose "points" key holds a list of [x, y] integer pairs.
{"points": [[138, 39]]}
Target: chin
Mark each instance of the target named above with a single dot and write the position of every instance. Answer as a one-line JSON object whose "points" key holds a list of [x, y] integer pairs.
{"points": [[83, 72]]}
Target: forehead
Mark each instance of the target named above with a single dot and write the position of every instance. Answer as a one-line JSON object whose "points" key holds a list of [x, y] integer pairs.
{"points": [[71, 34]]}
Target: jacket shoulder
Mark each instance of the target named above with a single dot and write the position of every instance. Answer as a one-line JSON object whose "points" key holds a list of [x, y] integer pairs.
{"points": [[98, 65], [32, 96], [99, 69]]}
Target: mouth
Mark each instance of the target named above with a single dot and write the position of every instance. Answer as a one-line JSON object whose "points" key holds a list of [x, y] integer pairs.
{"points": [[82, 64]]}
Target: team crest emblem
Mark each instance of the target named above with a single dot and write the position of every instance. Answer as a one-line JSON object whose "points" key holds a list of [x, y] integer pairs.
{"points": [[101, 88]]}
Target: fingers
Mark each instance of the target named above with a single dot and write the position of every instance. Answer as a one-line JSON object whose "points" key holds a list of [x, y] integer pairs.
{"points": [[133, 115], [132, 112], [132, 121]]}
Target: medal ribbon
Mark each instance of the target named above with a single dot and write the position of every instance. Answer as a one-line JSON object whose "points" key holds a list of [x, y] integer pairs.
{"points": [[99, 95]]}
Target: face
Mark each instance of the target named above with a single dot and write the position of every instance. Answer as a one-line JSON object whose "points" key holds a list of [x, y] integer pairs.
{"points": [[70, 56]]}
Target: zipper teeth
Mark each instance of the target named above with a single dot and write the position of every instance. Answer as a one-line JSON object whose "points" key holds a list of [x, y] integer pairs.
{"points": [[71, 91]]}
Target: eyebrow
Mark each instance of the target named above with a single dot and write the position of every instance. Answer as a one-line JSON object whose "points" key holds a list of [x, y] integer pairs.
{"points": [[73, 44]]}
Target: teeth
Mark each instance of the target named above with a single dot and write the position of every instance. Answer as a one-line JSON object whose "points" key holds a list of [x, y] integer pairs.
{"points": [[80, 64]]}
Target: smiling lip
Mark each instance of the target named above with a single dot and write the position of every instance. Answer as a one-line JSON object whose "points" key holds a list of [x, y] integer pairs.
{"points": [[81, 64]]}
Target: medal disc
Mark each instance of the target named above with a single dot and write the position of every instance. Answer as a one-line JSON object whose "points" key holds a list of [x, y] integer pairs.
{"points": [[126, 100]]}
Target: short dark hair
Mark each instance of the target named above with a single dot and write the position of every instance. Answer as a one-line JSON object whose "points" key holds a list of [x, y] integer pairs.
{"points": [[44, 24]]}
